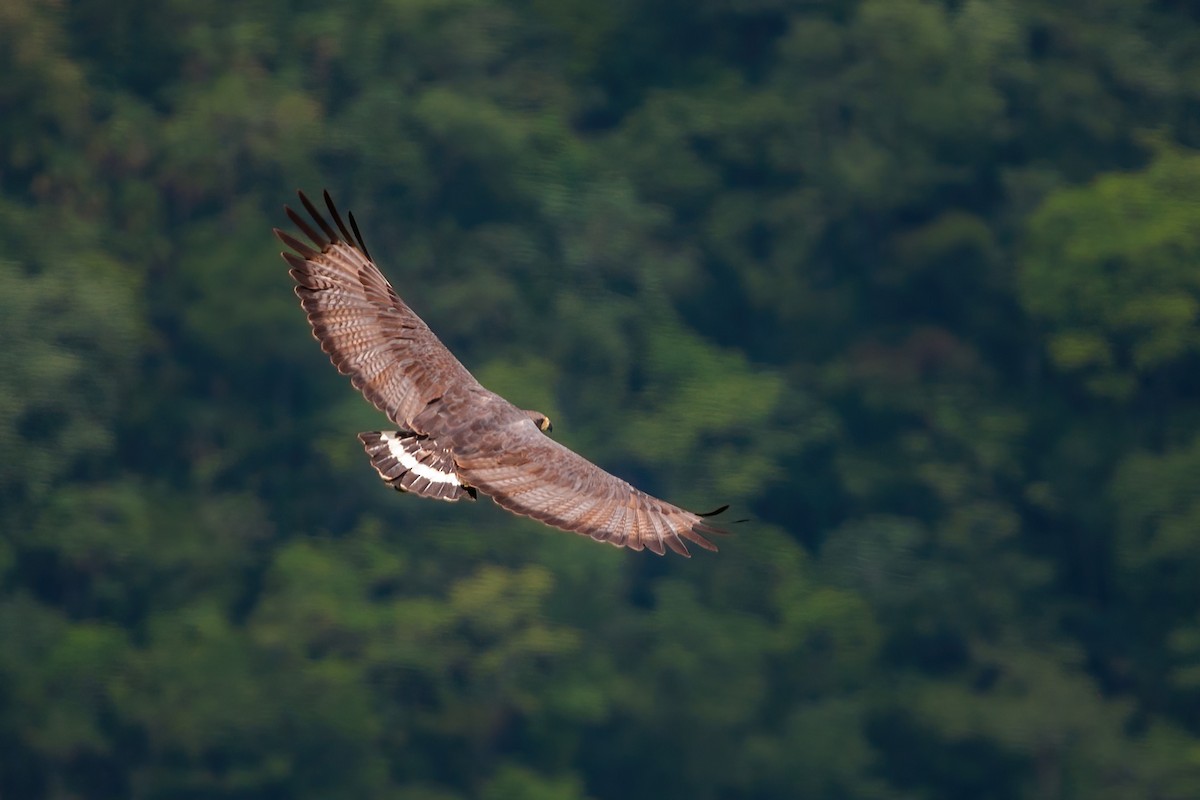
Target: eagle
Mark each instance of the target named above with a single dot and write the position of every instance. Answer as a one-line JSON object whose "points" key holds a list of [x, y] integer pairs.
{"points": [[456, 439]]}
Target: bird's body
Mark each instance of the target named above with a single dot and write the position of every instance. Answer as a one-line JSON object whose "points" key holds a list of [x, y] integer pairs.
{"points": [[457, 438]]}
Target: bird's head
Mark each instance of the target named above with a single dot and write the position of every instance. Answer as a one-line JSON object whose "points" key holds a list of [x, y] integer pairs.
{"points": [[541, 420]]}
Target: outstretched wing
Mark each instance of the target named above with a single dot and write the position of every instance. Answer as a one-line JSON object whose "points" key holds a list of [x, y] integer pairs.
{"points": [[531, 474], [369, 333]]}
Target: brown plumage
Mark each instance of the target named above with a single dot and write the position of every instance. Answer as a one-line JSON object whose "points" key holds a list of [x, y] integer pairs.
{"points": [[456, 438]]}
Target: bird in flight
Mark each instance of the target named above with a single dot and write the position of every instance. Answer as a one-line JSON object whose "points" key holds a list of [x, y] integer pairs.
{"points": [[456, 439]]}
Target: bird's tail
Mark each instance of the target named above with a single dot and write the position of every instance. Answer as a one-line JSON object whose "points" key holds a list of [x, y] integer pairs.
{"points": [[409, 462]]}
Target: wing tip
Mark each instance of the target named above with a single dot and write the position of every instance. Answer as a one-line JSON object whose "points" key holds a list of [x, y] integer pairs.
{"points": [[351, 236], [714, 512], [300, 247]]}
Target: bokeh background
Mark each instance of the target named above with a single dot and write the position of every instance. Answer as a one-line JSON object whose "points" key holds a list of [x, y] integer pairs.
{"points": [[914, 285]]}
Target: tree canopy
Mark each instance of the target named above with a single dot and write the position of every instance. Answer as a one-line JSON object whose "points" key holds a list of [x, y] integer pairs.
{"points": [[915, 285]]}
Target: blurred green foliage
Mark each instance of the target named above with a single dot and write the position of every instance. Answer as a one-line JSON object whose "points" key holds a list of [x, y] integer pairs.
{"points": [[913, 284]]}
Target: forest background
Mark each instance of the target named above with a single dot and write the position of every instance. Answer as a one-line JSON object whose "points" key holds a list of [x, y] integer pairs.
{"points": [[913, 284]]}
